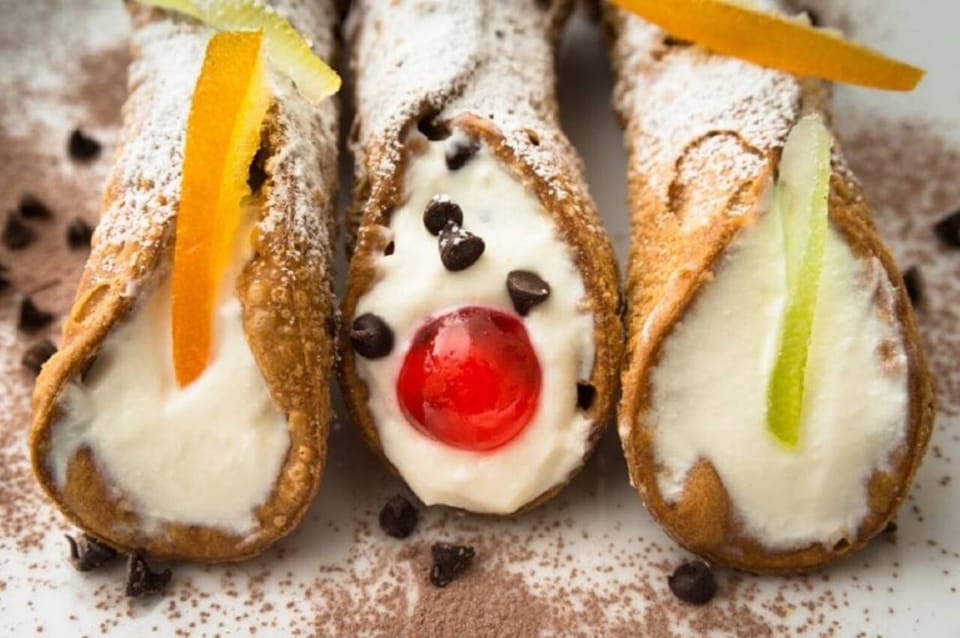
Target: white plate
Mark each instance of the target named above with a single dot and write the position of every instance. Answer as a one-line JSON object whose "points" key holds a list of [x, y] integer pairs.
{"points": [[591, 562]]}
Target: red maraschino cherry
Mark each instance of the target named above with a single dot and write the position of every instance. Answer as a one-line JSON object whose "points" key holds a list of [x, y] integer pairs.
{"points": [[470, 379]]}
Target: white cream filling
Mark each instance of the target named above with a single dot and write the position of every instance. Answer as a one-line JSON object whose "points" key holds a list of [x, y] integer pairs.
{"points": [[413, 285], [207, 454], [709, 393]]}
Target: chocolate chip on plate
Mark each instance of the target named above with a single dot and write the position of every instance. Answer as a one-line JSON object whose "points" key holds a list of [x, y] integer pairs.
{"points": [[432, 127], [913, 282], [32, 208], [82, 147], [693, 582], [459, 249], [33, 318], [459, 151], [526, 290], [586, 393], [449, 561], [16, 234], [398, 517], [79, 234], [371, 337], [88, 553], [441, 211], [948, 229], [891, 528], [142, 580], [38, 354]]}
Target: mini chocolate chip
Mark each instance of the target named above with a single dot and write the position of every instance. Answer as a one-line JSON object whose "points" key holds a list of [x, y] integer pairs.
{"points": [[389, 248], [4, 284], [371, 337], [459, 152], [32, 208], [673, 41], [459, 249], [948, 229], [432, 127], [398, 517], [693, 582], [586, 393], [913, 282], [16, 234], [449, 561], [88, 553], [257, 173], [33, 318], [142, 580], [440, 211], [527, 290], [79, 234], [38, 354], [82, 147], [814, 17], [891, 528]]}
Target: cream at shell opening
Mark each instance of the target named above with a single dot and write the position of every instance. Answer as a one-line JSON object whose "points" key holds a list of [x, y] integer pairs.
{"points": [[412, 285], [709, 392], [205, 454]]}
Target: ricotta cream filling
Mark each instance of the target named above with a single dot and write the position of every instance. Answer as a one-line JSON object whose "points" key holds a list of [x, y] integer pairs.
{"points": [[709, 392], [207, 454], [412, 285]]}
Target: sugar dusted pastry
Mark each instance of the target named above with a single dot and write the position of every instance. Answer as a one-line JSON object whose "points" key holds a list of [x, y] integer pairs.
{"points": [[480, 342], [776, 403], [213, 454]]}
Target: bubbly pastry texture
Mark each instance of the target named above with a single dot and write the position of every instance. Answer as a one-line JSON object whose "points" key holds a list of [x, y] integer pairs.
{"points": [[206, 454], [709, 392], [413, 285]]}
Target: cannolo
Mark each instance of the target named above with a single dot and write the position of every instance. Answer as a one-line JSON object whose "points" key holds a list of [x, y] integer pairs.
{"points": [[480, 338], [739, 461], [208, 463]]}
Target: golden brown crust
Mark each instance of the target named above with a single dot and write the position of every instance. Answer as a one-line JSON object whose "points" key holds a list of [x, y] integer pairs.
{"points": [[286, 293], [528, 142], [670, 261]]}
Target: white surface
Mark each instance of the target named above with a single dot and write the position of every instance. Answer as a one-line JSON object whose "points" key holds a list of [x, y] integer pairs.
{"points": [[907, 588], [412, 284]]}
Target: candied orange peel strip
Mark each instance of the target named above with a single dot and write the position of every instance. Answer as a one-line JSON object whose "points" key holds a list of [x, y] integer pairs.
{"points": [[772, 40], [229, 104]]}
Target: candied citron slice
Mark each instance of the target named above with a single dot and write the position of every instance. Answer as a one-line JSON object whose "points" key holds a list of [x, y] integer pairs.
{"points": [[776, 41], [801, 201], [229, 104], [287, 50]]}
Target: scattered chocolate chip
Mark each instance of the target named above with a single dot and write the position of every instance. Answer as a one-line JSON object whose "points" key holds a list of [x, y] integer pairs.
{"points": [[459, 249], [4, 282], [398, 517], [82, 147], [32, 208], [913, 281], [693, 582], [586, 393], [389, 249], [948, 229], [257, 173], [32, 318], [371, 337], [88, 553], [673, 41], [527, 290], [459, 152], [38, 354], [432, 127], [891, 528], [16, 234], [79, 234], [449, 561], [142, 580], [439, 212], [813, 16]]}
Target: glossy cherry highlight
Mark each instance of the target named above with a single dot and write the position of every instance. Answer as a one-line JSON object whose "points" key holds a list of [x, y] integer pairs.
{"points": [[470, 379]]}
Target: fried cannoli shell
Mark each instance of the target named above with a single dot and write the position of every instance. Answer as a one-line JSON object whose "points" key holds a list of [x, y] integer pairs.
{"points": [[670, 262], [508, 60], [285, 290]]}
